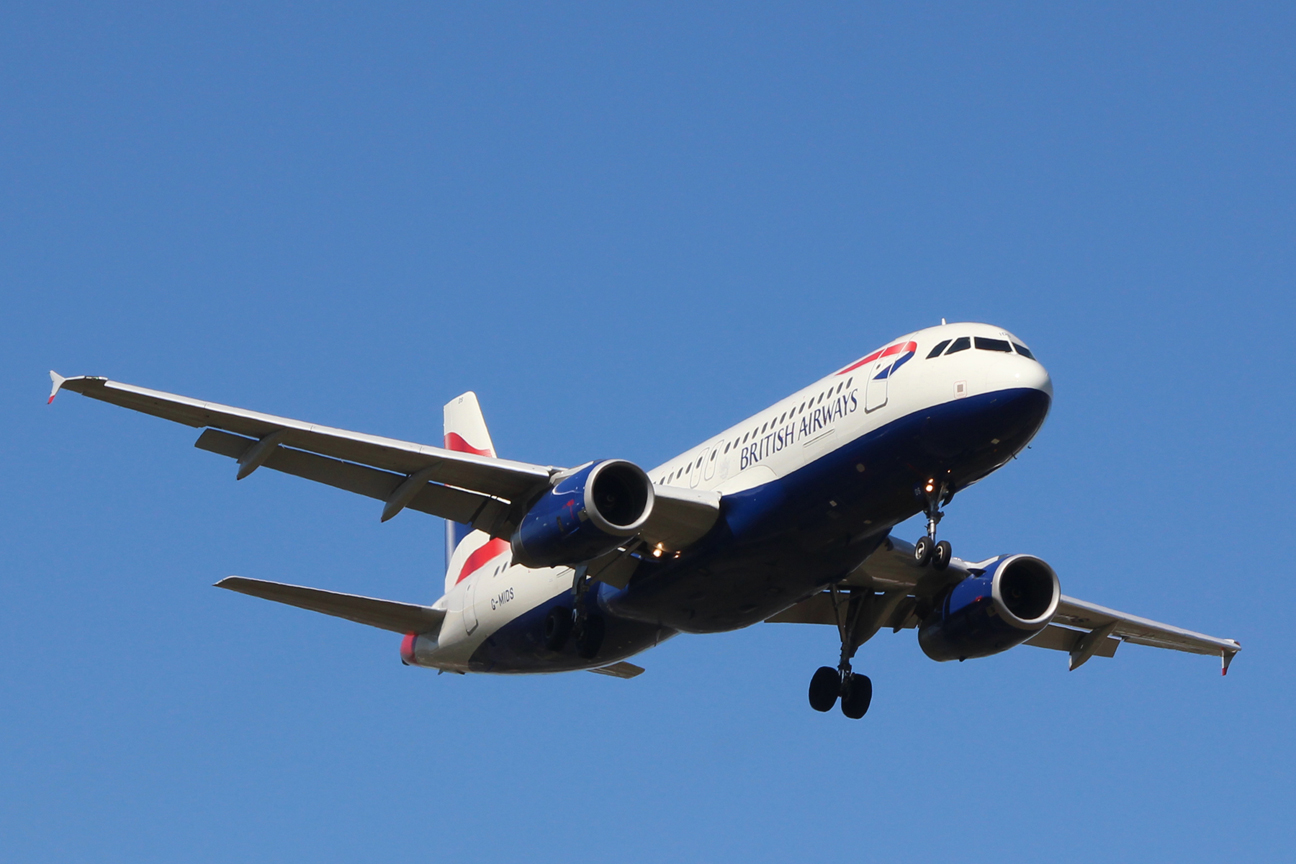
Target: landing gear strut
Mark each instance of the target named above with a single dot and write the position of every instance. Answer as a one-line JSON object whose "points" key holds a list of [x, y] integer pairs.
{"points": [[927, 550], [578, 622], [858, 616]]}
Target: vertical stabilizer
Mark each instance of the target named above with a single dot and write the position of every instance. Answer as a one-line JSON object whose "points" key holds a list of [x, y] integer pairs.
{"points": [[465, 432]]}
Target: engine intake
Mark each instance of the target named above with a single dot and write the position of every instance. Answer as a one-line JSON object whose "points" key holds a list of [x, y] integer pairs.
{"points": [[584, 515], [1009, 603]]}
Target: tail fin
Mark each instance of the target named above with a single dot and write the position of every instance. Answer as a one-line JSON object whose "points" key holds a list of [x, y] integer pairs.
{"points": [[465, 432]]}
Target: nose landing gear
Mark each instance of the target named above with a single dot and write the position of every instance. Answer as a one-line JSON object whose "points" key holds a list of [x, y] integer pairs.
{"points": [[927, 550]]}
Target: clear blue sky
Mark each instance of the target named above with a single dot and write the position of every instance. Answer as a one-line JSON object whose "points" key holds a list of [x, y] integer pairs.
{"points": [[627, 227]]}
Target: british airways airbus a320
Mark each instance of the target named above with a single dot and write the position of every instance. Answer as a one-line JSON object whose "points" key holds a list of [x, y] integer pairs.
{"points": [[784, 517]]}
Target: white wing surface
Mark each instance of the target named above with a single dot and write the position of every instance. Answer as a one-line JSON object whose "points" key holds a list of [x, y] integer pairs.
{"points": [[463, 487]]}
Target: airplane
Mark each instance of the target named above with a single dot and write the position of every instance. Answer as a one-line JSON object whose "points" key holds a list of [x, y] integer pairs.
{"points": [[785, 517]]}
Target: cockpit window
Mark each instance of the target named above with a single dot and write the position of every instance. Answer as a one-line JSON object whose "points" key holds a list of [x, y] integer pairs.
{"points": [[962, 343], [935, 352], [1023, 351], [984, 344]]}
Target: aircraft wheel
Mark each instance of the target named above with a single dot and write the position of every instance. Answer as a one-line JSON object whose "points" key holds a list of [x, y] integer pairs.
{"points": [[557, 627], [941, 555], [589, 636], [922, 551], [824, 687], [857, 695]]}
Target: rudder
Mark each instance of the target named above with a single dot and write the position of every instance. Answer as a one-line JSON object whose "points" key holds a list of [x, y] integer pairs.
{"points": [[466, 432]]}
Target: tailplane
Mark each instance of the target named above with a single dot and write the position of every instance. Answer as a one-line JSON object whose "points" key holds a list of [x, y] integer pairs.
{"points": [[465, 432]]}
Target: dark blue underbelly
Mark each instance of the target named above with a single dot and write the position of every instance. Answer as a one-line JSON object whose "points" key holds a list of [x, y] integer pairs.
{"points": [[782, 541]]}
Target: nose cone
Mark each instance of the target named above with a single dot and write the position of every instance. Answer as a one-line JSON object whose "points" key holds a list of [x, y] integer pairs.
{"points": [[1032, 374]]}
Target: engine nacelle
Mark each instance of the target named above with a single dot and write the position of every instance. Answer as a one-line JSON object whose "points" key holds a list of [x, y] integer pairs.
{"points": [[982, 615], [584, 515]]}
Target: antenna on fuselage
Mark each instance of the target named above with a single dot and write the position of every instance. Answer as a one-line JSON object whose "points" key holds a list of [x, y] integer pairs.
{"points": [[942, 322]]}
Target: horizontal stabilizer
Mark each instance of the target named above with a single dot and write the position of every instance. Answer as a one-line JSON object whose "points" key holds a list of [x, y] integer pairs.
{"points": [[620, 670], [384, 614]]}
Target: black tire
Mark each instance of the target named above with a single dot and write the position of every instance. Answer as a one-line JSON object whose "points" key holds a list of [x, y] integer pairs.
{"points": [[557, 627], [941, 555], [857, 695], [589, 637], [824, 687], [923, 551]]}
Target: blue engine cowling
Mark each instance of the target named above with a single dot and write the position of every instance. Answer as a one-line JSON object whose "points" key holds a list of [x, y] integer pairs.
{"points": [[1010, 602], [584, 514]]}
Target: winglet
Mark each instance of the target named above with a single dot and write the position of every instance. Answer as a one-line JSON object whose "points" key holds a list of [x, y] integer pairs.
{"points": [[1226, 657], [57, 380]]}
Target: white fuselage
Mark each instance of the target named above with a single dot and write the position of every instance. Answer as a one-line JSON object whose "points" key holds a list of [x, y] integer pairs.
{"points": [[796, 431]]}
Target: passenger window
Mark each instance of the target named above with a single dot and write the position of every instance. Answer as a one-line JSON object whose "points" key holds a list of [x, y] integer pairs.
{"points": [[713, 454], [849, 380], [984, 344], [940, 346], [962, 343], [1023, 351], [726, 447]]}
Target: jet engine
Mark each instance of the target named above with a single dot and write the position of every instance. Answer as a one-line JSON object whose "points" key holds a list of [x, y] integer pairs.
{"points": [[1010, 602], [584, 515]]}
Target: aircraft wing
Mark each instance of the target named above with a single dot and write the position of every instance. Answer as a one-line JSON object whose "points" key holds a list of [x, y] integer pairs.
{"points": [[463, 487], [1082, 629]]}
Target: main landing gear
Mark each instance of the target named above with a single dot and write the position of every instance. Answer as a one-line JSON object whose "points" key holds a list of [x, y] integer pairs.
{"points": [[856, 691], [586, 627], [927, 550], [856, 622]]}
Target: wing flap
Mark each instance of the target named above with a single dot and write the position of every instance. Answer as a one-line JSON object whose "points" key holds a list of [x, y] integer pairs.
{"points": [[384, 614], [1141, 631], [1068, 640], [457, 505]]}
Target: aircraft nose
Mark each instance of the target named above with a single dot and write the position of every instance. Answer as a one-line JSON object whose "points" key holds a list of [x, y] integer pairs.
{"points": [[1032, 374]]}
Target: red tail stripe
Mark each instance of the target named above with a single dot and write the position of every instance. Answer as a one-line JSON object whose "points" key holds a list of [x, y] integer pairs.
{"points": [[479, 558], [455, 442]]}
